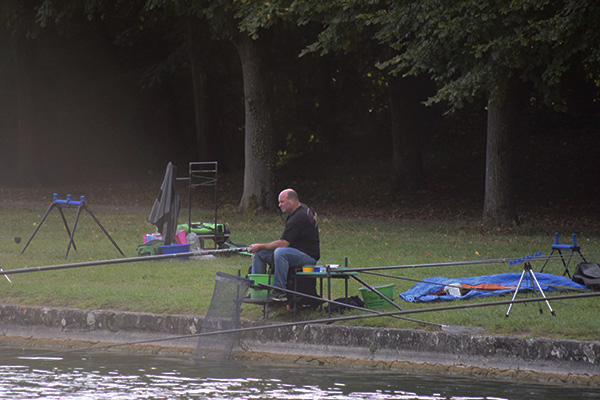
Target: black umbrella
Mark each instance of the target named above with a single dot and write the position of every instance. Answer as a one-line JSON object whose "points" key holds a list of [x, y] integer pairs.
{"points": [[165, 210]]}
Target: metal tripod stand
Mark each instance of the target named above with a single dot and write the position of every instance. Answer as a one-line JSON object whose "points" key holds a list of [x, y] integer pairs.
{"points": [[527, 270], [559, 247], [81, 205]]}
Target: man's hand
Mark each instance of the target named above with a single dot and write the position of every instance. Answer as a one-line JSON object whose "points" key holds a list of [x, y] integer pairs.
{"points": [[256, 247]]}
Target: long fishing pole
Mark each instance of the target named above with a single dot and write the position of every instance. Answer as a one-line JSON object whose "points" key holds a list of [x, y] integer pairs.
{"points": [[368, 271], [231, 250], [456, 263], [440, 264], [327, 320], [427, 265], [447, 328], [121, 261], [403, 278]]}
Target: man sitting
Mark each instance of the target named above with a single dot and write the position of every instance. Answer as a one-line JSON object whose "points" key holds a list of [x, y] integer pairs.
{"points": [[299, 243]]}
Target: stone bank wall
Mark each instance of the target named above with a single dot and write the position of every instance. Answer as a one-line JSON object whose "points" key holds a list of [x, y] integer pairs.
{"points": [[565, 360]]}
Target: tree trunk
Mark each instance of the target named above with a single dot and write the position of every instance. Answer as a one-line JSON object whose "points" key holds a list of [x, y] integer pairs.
{"points": [[259, 141], [26, 87], [499, 202], [406, 112]]}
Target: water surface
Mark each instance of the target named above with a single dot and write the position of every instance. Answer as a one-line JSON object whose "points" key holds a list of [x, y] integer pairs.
{"points": [[26, 375]]}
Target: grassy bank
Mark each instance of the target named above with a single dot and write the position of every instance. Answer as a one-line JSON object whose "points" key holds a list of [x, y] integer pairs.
{"points": [[185, 287]]}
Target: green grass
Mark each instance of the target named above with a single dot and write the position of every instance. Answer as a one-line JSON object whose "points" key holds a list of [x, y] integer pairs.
{"points": [[185, 287]]}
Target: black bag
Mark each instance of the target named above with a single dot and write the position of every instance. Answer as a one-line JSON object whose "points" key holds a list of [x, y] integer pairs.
{"points": [[588, 274], [337, 308]]}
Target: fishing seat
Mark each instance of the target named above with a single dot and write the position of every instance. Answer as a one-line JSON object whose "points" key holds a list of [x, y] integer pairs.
{"points": [[307, 285], [302, 284]]}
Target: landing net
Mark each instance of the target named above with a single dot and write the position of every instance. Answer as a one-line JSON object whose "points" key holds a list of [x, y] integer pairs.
{"points": [[223, 314]]}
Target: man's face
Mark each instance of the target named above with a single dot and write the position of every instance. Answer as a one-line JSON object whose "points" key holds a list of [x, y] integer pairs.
{"points": [[285, 203]]}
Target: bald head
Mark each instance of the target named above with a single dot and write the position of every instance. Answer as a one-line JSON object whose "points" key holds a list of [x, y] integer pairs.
{"points": [[290, 193], [288, 201]]}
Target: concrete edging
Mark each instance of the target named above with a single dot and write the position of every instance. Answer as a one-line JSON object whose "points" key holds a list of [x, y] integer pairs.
{"points": [[571, 361]]}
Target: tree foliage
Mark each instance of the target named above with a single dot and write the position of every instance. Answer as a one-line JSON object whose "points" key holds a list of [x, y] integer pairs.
{"points": [[467, 46], [473, 50]]}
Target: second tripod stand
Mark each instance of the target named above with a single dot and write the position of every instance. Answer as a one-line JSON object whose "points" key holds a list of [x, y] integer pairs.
{"points": [[527, 271]]}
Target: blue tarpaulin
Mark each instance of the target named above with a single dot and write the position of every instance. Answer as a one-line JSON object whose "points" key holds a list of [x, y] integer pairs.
{"points": [[438, 288]]}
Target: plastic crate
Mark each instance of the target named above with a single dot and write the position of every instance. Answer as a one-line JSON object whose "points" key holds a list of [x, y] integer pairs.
{"points": [[260, 278], [174, 249], [373, 300]]}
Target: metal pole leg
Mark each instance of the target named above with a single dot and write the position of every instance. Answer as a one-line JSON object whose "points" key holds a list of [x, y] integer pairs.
{"points": [[38, 227], [104, 230], [516, 291], [66, 226], [546, 262], [73, 231], [540, 290]]}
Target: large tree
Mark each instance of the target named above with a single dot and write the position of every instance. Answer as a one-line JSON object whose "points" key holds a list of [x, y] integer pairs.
{"points": [[481, 51], [246, 24]]}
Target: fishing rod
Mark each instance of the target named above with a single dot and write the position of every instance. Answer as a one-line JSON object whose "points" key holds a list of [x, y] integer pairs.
{"points": [[232, 250], [121, 260], [448, 264], [327, 321], [447, 328], [512, 261], [403, 278], [427, 265]]}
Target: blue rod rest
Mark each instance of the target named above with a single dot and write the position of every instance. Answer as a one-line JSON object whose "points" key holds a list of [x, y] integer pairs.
{"points": [[68, 201], [525, 258], [557, 246]]}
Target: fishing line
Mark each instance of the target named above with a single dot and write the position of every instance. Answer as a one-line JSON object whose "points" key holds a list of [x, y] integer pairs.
{"points": [[327, 321]]}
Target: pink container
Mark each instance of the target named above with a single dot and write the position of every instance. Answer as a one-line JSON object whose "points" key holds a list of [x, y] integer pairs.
{"points": [[180, 237]]}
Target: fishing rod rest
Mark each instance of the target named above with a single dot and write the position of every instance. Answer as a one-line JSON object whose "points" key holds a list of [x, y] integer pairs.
{"points": [[525, 258], [68, 202], [557, 246], [573, 248]]}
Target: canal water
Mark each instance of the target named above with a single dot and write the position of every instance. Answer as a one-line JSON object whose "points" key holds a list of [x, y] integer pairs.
{"points": [[26, 374]]}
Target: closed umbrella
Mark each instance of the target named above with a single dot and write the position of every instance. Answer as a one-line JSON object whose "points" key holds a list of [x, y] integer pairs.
{"points": [[165, 210]]}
